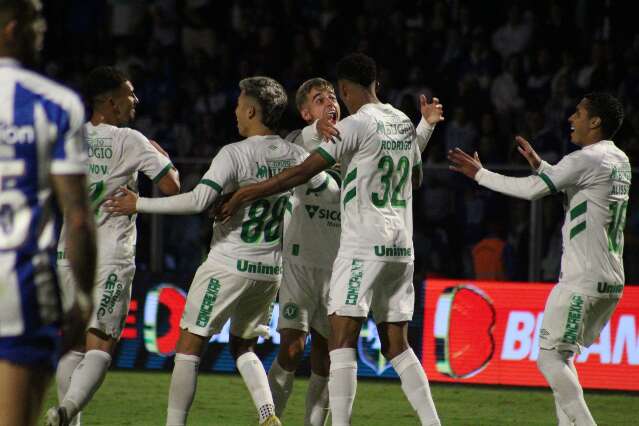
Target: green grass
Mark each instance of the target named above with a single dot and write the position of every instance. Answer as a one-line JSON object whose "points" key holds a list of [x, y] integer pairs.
{"points": [[138, 398]]}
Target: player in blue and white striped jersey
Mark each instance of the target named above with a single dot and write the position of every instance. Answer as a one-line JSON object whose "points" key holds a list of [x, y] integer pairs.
{"points": [[42, 167]]}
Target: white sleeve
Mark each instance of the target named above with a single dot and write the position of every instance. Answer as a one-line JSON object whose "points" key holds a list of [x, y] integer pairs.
{"points": [[528, 188], [220, 174], [148, 159], [333, 150], [423, 133], [572, 170]]}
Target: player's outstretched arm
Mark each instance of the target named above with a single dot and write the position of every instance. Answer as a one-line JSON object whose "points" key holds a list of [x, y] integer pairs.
{"points": [[528, 188], [284, 181]]}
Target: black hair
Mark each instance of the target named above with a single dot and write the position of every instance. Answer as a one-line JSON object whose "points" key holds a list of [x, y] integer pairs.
{"points": [[609, 109], [357, 68], [102, 80]]}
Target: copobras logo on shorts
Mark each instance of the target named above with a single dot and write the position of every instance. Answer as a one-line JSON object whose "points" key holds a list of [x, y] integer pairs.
{"points": [[290, 311]]}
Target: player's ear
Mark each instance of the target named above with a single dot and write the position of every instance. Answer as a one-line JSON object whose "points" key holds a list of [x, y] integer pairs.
{"points": [[595, 122], [306, 115], [9, 30], [251, 111]]}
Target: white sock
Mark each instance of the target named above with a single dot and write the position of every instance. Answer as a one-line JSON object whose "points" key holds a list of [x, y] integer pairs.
{"points": [[342, 385], [182, 389], [66, 367], [415, 387], [569, 395], [86, 379], [252, 371], [316, 401], [281, 383]]}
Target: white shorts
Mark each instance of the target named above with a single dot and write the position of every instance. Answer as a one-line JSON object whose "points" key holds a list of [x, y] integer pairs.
{"points": [[111, 296], [216, 295], [573, 320], [303, 298], [359, 286]]}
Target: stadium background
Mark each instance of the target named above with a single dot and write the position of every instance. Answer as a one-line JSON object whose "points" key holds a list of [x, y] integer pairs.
{"points": [[499, 67]]}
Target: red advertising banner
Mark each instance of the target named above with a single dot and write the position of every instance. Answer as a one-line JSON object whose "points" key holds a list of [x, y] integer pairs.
{"points": [[488, 332]]}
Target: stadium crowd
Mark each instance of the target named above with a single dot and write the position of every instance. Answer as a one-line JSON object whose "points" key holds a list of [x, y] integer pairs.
{"points": [[500, 68]]}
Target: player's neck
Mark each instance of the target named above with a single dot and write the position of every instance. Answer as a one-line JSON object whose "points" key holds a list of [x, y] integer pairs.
{"points": [[98, 118], [258, 130]]}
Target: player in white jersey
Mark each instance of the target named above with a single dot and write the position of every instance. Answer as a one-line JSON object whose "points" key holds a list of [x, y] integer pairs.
{"points": [[241, 276], [116, 155], [374, 265], [42, 172], [596, 183], [311, 240]]}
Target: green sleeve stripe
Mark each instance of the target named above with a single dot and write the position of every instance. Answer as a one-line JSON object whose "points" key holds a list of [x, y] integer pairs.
{"points": [[577, 229], [289, 207], [335, 175], [350, 195], [214, 185], [325, 155], [320, 188], [163, 172], [350, 177], [578, 210], [548, 182]]}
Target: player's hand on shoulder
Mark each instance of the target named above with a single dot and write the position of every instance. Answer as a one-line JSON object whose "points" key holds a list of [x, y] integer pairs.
{"points": [[432, 112], [229, 206], [216, 208], [528, 152], [326, 125], [464, 163], [122, 202]]}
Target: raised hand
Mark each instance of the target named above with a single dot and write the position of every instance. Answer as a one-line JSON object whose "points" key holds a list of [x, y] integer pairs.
{"points": [[326, 125], [464, 163], [432, 112], [528, 152], [122, 202]]}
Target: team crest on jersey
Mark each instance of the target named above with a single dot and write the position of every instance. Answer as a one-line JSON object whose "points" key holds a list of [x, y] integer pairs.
{"points": [[262, 171], [369, 348], [290, 311]]}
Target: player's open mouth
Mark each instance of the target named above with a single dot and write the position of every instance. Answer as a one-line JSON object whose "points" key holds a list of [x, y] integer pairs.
{"points": [[332, 115]]}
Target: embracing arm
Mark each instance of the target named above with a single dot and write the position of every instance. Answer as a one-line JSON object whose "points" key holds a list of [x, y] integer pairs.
{"points": [[528, 188], [195, 201]]}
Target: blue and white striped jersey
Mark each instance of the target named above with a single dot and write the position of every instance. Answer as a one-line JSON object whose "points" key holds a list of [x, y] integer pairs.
{"points": [[40, 135]]}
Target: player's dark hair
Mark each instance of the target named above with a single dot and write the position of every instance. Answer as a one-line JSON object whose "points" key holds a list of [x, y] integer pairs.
{"points": [[357, 68], [609, 109], [314, 83], [101, 81], [270, 95]]}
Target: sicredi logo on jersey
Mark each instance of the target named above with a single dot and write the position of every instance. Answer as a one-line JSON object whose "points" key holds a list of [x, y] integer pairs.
{"points": [[14, 135], [331, 215]]}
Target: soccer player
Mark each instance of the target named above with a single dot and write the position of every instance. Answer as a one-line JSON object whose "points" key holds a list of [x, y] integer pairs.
{"points": [[241, 276], [116, 155], [596, 182], [42, 171], [374, 265], [311, 240]]}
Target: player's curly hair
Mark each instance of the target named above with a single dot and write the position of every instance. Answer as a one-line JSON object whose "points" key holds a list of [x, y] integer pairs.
{"points": [[101, 81], [357, 68], [307, 86], [270, 95], [609, 109]]}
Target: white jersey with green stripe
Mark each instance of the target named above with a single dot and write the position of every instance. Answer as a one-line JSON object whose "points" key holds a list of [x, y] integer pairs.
{"points": [[596, 183], [116, 155], [312, 222], [249, 243], [377, 150]]}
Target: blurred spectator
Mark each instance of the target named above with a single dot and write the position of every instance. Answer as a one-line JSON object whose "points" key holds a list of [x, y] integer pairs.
{"points": [[460, 132], [492, 256], [514, 35]]}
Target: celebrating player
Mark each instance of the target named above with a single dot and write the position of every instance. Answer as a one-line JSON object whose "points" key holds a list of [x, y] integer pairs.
{"points": [[311, 240], [241, 275], [374, 265], [596, 183], [42, 170], [116, 155]]}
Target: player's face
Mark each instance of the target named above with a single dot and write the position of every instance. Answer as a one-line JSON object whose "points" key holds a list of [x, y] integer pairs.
{"points": [[242, 113], [124, 103], [317, 101], [580, 123]]}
